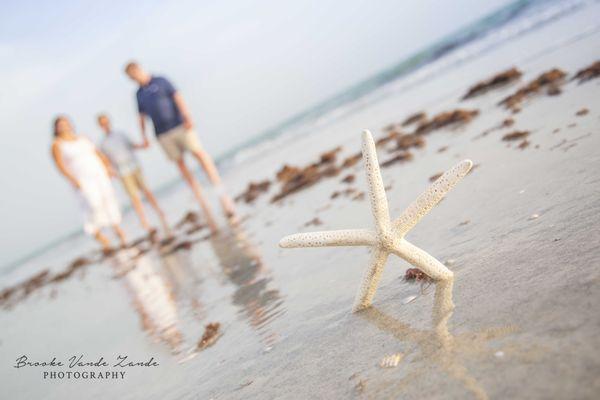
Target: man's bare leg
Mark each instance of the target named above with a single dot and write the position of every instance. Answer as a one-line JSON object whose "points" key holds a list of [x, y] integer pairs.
{"points": [[209, 167], [195, 186]]}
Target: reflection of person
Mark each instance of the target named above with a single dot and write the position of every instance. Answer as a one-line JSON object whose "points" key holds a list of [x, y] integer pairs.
{"points": [[88, 171], [159, 100], [119, 150], [152, 298], [242, 265], [179, 272]]}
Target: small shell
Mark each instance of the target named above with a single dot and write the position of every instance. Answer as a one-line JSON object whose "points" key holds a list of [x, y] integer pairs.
{"points": [[409, 299], [391, 361]]}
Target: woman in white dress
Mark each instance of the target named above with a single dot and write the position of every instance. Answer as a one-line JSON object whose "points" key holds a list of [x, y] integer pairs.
{"points": [[89, 173]]}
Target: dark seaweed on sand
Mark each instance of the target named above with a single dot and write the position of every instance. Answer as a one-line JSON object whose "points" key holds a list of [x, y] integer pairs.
{"points": [[501, 79], [588, 73], [446, 119], [516, 135], [210, 336], [549, 80]]}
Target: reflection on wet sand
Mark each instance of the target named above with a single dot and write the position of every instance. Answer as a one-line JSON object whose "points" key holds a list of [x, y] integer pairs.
{"points": [[438, 346], [153, 300], [166, 290], [242, 265], [185, 281], [163, 293]]}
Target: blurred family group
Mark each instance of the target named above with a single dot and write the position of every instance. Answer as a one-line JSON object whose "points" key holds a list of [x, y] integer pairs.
{"points": [[89, 168]]}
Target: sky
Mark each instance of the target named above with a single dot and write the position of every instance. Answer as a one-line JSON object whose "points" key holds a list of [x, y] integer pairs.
{"points": [[242, 66]]}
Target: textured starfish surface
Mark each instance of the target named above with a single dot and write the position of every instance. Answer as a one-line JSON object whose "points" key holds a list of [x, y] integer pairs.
{"points": [[388, 236]]}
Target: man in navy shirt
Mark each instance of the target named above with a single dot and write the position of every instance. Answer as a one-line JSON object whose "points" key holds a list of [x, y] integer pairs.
{"points": [[164, 105]]}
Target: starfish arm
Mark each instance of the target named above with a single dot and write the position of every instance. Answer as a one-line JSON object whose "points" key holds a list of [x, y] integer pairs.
{"points": [[368, 286], [422, 260], [443, 307], [428, 199], [379, 204], [344, 237]]}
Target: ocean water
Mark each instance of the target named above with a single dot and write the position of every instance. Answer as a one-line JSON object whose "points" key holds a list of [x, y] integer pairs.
{"points": [[466, 44]]}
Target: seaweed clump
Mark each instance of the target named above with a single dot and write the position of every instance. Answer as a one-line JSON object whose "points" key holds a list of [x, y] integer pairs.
{"points": [[253, 190], [588, 73], [549, 80], [516, 135], [501, 79], [447, 118]]}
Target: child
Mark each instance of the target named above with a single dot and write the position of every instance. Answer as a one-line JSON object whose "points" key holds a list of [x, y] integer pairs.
{"points": [[119, 150]]}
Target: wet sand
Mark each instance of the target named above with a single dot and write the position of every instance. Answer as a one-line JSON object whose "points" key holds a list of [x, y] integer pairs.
{"points": [[233, 316]]}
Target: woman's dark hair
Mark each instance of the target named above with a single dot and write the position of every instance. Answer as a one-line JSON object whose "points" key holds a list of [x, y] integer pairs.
{"points": [[57, 119]]}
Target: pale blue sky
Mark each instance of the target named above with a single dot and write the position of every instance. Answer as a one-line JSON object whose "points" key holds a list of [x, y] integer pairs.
{"points": [[243, 66]]}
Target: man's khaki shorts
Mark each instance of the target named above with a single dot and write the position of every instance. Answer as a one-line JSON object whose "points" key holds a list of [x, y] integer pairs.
{"points": [[175, 142], [133, 183]]}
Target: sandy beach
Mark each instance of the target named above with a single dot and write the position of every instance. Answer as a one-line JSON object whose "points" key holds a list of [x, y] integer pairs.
{"points": [[233, 316]]}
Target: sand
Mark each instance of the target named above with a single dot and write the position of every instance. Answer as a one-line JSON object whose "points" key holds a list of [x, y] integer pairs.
{"points": [[235, 317]]}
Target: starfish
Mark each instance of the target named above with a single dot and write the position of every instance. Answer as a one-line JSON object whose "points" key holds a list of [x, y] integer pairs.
{"points": [[388, 237]]}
